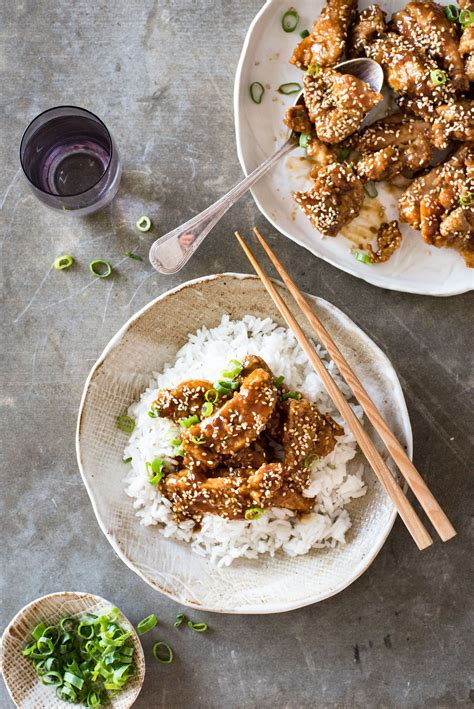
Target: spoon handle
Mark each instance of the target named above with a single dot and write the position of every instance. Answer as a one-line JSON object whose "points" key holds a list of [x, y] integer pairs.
{"points": [[171, 252]]}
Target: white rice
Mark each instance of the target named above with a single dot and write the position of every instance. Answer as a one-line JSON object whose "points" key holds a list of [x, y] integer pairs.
{"points": [[205, 356]]}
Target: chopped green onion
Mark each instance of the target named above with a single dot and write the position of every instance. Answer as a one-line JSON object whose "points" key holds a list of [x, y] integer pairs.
{"points": [[304, 34], [291, 395], [304, 140], [211, 396], [153, 414], [38, 631], [125, 423], [207, 409], [466, 18], [178, 447], [343, 154], [63, 262], [234, 371], [144, 224], [130, 254], [360, 256], [370, 189], [290, 20], [314, 69], [467, 200], [452, 13], [438, 77], [350, 166], [176, 442], [165, 657], [127, 460], [180, 618], [53, 679], [310, 459], [279, 381], [198, 627], [155, 470], [256, 91], [292, 87], [222, 387], [100, 268], [147, 624], [253, 513], [188, 422], [198, 441]]}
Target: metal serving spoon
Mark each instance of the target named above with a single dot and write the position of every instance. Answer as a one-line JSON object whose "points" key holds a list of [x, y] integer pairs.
{"points": [[171, 252]]}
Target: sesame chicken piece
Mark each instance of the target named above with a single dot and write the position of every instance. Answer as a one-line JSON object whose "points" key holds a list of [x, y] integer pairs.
{"points": [[425, 24], [335, 198], [320, 152], [389, 239], [369, 24], [264, 483], [297, 119], [337, 103], [454, 121], [292, 500], [392, 145], [246, 460], [325, 45], [466, 49], [192, 495], [185, 400]]}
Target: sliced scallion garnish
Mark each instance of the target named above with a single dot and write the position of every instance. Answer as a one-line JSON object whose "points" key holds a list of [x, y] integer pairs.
{"points": [[466, 18], [370, 189], [180, 618], [304, 34], [127, 460], [467, 200], [188, 422], [438, 77], [63, 262], [304, 140], [155, 470], [452, 13], [253, 513], [162, 652], [310, 459], [144, 224], [207, 409], [211, 396], [198, 627], [279, 381], [363, 258], [291, 395], [314, 69], [125, 423], [147, 624], [100, 268], [256, 91], [292, 87], [290, 19], [233, 370], [197, 441]]}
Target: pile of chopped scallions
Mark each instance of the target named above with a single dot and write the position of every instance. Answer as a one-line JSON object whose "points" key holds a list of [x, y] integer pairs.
{"points": [[88, 660]]}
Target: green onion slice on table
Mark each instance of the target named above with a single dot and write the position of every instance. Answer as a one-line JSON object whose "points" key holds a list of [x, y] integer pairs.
{"points": [[438, 77], [143, 224], [63, 262], [125, 423], [100, 268], [290, 19], [256, 90], [180, 618], [147, 624], [163, 653], [292, 87], [198, 627], [363, 258]]}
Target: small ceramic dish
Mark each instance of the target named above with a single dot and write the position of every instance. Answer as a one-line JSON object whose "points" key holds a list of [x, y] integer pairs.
{"points": [[23, 684], [143, 346]]}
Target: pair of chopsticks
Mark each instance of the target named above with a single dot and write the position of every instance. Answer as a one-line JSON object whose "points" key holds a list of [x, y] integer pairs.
{"points": [[420, 489]]}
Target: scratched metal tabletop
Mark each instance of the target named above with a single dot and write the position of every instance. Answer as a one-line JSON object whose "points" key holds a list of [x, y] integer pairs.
{"points": [[160, 74]]}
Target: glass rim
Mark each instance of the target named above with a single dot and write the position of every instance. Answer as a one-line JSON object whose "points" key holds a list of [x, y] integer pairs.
{"points": [[76, 108]]}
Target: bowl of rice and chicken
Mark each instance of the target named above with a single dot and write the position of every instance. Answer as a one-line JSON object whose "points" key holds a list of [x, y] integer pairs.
{"points": [[216, 463]]}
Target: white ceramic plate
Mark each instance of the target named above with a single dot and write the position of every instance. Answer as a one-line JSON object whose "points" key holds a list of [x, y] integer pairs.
{"points": [[415, 267], [149, 340], [23, 684]]}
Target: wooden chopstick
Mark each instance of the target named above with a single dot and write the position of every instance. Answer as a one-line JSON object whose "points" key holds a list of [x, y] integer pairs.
{"points": [[406, 511], [420, 489]]}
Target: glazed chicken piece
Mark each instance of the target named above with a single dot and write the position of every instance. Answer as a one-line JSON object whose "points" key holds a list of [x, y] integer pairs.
{"points": [[192, 495], [408, 72], [454, 121], [239, 421], [466, 45], [306, 432], [337, 103], [440, 204], [297, 119], [369, 25], [325, 45], [389, 239], [335, 198], [425, 24], [246, 460], [392, 145], [185, 400]]}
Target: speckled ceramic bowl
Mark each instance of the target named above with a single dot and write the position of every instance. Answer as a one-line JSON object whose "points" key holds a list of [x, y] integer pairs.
{"points": [[145, 344], [23, 683]]}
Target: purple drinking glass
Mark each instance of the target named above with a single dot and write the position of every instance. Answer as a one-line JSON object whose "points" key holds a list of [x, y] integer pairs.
{"points": [[71, 160]]}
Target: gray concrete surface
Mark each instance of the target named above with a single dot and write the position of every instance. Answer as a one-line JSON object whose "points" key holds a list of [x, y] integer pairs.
{"points": [[161, 75]]}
